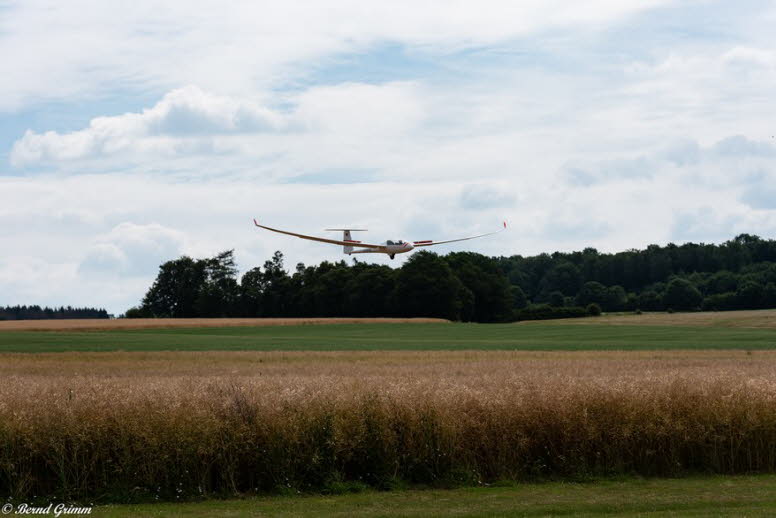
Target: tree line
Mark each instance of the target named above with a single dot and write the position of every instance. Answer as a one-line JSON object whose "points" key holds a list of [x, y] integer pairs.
{"points": [[45, 313], [466, 286]]}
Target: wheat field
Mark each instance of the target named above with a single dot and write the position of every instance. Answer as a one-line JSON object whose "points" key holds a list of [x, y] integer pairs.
{"points": [[95, 324], [167, 425]]}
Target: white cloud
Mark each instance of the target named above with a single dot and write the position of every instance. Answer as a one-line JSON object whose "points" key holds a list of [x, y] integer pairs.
{"points": [[750, 56], [740, 146], [189, 122], [130, 250], [716, 224], [487, 196], [86, 47], [169, 127], [706, 93], [360, 109]]}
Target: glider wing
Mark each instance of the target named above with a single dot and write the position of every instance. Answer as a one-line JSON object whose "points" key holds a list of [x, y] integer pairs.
{"points": [[320, 239], [430, 242]]}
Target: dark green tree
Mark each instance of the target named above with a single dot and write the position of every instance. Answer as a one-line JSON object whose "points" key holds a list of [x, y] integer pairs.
{"points": [[720, 302], [557, 299], [175, 291], [491, 294], [219, 294], [519, 300], [331, 292], [369, 292], [616, 299], [769, 295], [427, 287], [276, 296], [592, 292], [563, 277], [593, 309], [750, 295], [251, 291], [721, 282], [649, 300], [682, 295]]}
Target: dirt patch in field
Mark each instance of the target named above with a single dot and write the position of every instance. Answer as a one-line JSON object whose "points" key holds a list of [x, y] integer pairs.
{"points": [[168, 323], [761, 318]]}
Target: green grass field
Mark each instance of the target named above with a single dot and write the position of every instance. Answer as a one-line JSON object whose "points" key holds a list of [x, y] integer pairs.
{"points": [[696, 496], [354, 337]]}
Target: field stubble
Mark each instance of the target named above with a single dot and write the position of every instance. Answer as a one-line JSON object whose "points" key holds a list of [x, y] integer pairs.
{"points": [[117, 426]]}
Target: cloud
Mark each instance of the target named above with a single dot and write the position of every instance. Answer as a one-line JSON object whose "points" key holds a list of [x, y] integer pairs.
{"points": [[25, 279], [131, 249], [484, 196], [722, 87], [682, 152], [51, 51], [748, 56], [761, 193], [760, 197], [577, 231], [360, 109], [739, 145], [705, 224], [733, 160], [165, 128], [716, 224], [188, 122], [637, 168]]}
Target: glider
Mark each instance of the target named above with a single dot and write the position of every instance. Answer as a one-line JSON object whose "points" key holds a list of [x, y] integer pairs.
{"points": [[390, 248]]}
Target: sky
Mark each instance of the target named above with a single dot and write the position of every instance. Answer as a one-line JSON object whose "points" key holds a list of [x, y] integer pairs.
{"points": [[135, 132]]}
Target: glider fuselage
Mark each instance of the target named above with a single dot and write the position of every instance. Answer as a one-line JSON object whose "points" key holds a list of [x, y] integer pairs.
{"points": [[390, 248]]}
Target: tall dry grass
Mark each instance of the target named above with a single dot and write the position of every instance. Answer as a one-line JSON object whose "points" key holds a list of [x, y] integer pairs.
{"points": [[170, 425]]}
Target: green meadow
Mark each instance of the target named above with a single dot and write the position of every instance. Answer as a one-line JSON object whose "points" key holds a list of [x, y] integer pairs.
{"points": [[364, 337], [694, 496]]}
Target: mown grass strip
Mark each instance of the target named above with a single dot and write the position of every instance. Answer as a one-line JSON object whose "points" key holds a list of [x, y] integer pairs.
{"points": [[696, 496]]}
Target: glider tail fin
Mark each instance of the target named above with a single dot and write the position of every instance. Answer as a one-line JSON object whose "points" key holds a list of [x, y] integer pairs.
{"points": [[348, 249]]}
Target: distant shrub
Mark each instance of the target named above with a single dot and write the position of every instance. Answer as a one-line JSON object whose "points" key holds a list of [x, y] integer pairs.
{"points": [[547, 312], [720, 302], [593, 310], [137, 313]]}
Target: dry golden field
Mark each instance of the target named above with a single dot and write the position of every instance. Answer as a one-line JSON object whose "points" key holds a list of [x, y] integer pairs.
{"points": [[171, 323], [171, 424], [760, 318], [763, 319]]}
